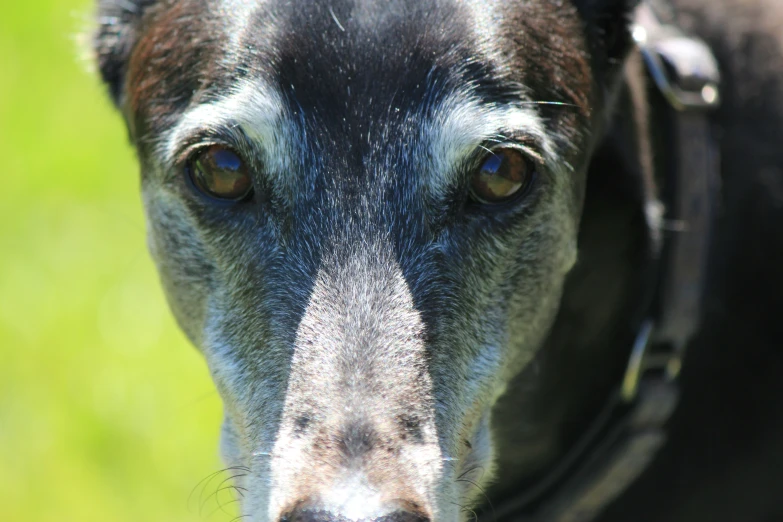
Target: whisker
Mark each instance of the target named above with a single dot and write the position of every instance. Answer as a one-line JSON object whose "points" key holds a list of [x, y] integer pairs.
{"points": [[261, 454], [480, 489], [552, 103], [475, 515], [464, 509], [216, 494], [470, 470], [221, 507], [484, 494], [208, 478], [218, 490], [204, 483]]}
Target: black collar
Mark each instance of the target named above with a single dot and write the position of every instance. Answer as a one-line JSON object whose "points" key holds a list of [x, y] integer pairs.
{"points": [[630, 429]]}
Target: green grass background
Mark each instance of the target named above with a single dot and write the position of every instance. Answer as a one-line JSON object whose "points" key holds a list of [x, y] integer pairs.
{"points": [[106, 413]]}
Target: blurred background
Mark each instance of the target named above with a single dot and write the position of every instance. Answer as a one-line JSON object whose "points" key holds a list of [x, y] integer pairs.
{"points": [[106, 412]]}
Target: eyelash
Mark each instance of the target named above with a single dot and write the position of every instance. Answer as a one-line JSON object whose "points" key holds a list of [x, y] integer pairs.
{"points": [[229, 136]]}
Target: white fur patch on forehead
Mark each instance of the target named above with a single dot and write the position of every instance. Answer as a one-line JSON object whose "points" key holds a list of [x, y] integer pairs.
{"points": [[462, 124], [254, 108]]}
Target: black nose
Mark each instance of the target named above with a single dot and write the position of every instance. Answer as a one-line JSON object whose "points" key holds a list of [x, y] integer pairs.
{"points": [[317, 515]]}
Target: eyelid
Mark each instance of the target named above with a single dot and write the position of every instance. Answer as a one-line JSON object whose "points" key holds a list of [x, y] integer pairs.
{"points": [[528, 149], [518, 138], [186, 152], [230, 136]]}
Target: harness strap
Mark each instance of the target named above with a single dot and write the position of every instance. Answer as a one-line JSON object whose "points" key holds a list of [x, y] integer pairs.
{"points": [[630, 430]]}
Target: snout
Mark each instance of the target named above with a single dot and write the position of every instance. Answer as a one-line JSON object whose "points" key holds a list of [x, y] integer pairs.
{"points": [[361, 470], [357, 438], [359, 432]]}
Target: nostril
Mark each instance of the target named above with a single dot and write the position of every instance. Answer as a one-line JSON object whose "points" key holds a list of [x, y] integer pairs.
{"points": [[312, 515], [402, 516], [308, 515], [320, 515]]}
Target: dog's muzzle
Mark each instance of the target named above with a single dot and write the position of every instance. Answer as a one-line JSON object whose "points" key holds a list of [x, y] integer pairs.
{"points": [[357, 439]]}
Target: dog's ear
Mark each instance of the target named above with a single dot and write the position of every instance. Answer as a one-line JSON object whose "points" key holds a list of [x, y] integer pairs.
{"points": [[118, 25], [608, 23]]}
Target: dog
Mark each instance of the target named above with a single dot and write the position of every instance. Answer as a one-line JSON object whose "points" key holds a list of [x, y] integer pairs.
{"points": [[415, 242]]}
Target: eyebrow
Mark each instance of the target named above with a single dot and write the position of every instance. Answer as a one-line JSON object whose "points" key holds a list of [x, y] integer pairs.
{"points": [[253, 114], [252, 109], [254, 118], [462, 124]]}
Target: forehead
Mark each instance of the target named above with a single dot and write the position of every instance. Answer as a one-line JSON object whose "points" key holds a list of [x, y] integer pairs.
{"points": [[348, 63]]}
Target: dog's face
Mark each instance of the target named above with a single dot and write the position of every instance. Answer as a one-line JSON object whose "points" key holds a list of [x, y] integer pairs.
{"points": [[363, 214]]}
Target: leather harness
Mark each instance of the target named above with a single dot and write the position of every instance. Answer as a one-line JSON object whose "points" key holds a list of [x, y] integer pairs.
{"points": [[631, 428]]}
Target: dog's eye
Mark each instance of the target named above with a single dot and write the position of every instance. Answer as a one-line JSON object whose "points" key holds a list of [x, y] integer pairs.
{"points": [[220, 173], [505, 173]]}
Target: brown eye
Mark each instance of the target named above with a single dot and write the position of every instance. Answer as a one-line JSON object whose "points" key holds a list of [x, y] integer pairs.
{"points": [[220, 173], [505, 173]]}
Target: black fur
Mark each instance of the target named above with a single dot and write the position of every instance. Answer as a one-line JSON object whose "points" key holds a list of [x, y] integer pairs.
{"points": [[725, 458], [607, 22], [118, 24]]}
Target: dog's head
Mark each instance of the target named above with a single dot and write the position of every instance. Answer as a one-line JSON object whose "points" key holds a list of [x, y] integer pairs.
{"points": [[363, 213]]}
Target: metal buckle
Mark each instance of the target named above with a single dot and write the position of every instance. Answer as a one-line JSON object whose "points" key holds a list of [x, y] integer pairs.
{"points": [[682, 67], [665, 359]]}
